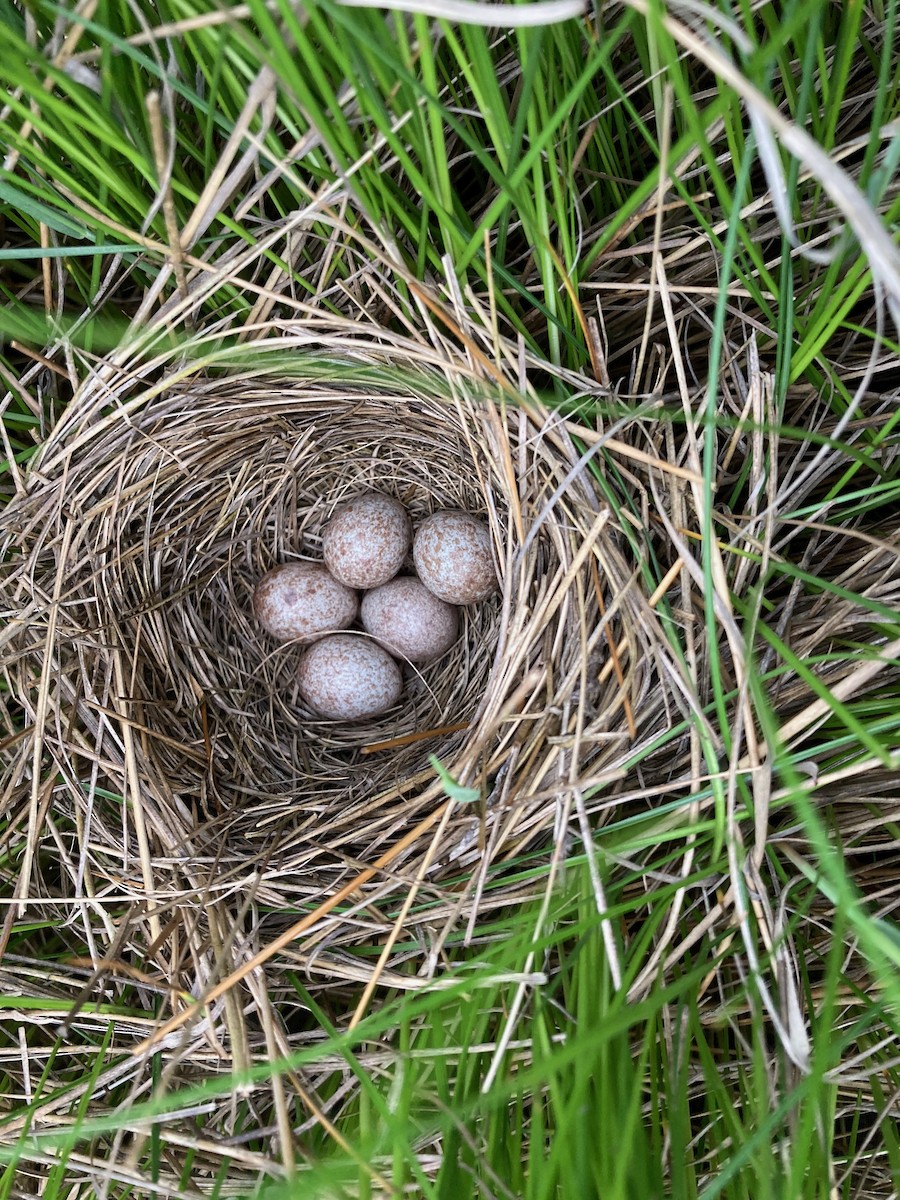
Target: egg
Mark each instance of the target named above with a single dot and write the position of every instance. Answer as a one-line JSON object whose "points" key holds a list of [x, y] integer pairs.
{"points": [[366, 541], [408, 620], [301, 601], [347, 678], [452, 553]]}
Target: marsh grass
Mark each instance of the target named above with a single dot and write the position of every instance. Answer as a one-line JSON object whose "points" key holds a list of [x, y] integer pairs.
{"points": [[663, 233]]}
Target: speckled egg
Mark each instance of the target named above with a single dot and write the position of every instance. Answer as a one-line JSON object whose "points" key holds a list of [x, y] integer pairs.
{"points": [[408, 620], [301, 601], [367, 539], [348, 678], [452, 553]]}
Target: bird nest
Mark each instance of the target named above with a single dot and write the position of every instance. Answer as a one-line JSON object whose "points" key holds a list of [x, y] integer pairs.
{"points": [[198, 840], [185, 763]]}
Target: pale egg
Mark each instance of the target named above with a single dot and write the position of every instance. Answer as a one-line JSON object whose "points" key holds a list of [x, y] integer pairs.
{"points": [[452, 553], [301, 601], [408, 620], [348, 678], [366, 541]]}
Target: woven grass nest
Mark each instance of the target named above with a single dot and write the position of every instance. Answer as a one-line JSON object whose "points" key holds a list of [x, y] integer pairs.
{"points": [[151, 513]]}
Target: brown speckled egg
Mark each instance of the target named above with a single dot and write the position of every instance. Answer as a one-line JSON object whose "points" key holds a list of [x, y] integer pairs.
{"points": [[302, 601], [348, 678], [408, 620], [452, 553], [367, 539]]}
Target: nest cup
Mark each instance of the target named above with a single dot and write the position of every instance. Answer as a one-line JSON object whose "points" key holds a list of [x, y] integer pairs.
{"points": [[255, 488], [153, 519]]}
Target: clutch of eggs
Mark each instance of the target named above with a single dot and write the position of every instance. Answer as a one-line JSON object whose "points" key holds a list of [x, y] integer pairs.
{"points": [[346, 676]]}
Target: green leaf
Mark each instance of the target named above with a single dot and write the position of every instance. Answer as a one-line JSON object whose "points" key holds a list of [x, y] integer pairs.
{"points": [[50, 217], [11, 17], [462, 795]]}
